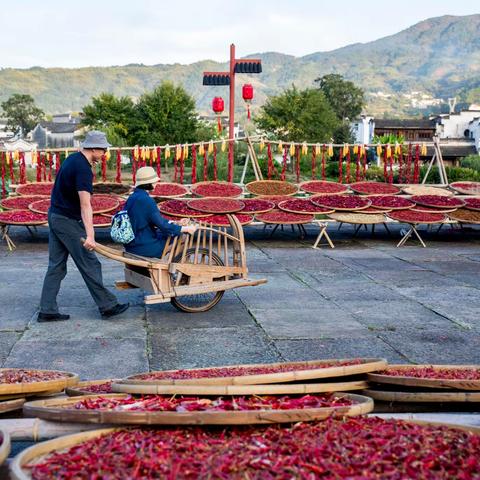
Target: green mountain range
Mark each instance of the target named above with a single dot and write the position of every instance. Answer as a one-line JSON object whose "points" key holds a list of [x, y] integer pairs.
{"points": [[435, 59]]}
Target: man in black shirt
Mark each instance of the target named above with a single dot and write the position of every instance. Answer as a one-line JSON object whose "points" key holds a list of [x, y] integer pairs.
{"points": [[70, 217]]}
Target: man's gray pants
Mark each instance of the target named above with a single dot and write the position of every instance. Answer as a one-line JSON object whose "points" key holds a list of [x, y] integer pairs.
{"points": [[64, 239]]}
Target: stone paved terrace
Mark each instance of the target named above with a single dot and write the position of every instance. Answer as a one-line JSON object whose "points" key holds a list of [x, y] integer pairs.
{"points": [[364, 298]]}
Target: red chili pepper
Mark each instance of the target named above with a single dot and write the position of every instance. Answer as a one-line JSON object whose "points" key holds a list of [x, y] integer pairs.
{"points": [[57, 162], [194, 164], [134, 167], [12, 173], [340, 166], [159, 162], [104, 168], [182, 166], [416, 166], [324, 149], [217, 189], [205, 165], [385, 164], [39, 167], [215, 162], [284, 164], [118, 176], [409, 164], [348, 166], [270, 162], [364, 161], [23, 169], [297, 163], [357, 165], [314, 164], [401, 173]]}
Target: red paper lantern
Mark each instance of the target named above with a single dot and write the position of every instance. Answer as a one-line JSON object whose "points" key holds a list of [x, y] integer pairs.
{"points": [[247, 94], [218, 106]]}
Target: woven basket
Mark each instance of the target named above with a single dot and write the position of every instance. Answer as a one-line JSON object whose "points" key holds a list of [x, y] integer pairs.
{"points": [[464, 215], [474, 188], [234, 190], [266, 188], [426, 190], [358, 218]]}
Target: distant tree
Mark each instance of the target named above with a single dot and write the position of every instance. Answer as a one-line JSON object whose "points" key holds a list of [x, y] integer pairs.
{"points": [[111, 114], [298, 115], [21, 113], [165, 115], [345, 97]]}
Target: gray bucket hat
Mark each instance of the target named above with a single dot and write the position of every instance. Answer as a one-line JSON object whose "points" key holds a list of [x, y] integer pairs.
{"points": [[95, 139]]}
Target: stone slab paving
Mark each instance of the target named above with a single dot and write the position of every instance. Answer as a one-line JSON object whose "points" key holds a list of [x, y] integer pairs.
{"points": [[363, 298]]}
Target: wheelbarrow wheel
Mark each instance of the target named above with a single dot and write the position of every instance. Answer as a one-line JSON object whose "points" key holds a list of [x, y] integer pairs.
{"points": [[203, 301]]}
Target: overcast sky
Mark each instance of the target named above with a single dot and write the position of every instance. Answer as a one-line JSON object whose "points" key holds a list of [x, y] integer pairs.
{"points": [[64, 33]]}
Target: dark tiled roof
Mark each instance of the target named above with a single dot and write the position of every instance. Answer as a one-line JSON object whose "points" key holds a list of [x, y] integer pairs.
{"points": [[395, 123], [55, 127], [454, 151]]}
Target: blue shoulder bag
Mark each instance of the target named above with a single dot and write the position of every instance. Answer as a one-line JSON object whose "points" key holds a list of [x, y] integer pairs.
{"points": [[121, 230]]}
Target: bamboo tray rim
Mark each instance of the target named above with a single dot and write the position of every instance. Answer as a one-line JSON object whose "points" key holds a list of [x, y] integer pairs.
{"points": [[65, 442], [419, 222], [54, 409], [465, 191], [354, 189], [18, 189], [426, 204], [272, 182], [77, 389], [4, 446], [366, 365], [301, 186], [426, 382], [418, 208], [240, 205], [11, 405], [42, 386], [422, 397], [256, 389]]}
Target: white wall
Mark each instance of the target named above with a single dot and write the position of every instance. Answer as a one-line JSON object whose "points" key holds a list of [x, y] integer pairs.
{"points": [[363, 129], [454, 125]]}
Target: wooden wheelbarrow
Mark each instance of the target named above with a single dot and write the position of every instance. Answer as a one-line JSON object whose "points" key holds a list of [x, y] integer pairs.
{"points": [[193, 272]]}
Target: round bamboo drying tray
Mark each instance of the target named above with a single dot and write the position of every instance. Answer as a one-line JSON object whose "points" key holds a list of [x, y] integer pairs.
{"points": [[358, 218], [422, 397], [366, 365], [33, 188], [27, 199], [11, 405], [77, 389], [408, 204], [55, 410], [33, 223], [449, 202], [268, 206], [412, 221], [374, 210], [464, 215], [110, 188], [471, 207], [389, 189], [191, 214], [427, 382], [275, 218], [37, 452], [153, 193], [4, 446], [317, 209], [265, 188], [236, 190], [235, 205], [423, 209], [339, 187], [426, 190], [269, 389], [49, 386], [317, 200], [475, 190]]}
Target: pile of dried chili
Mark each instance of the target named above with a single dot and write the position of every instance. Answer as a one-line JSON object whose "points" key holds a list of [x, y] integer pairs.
{"points": [[409, 216], [391, 201], [437, 201], [35, 189], [341, 202], [322, 186], [302, 205], [169, 190], [240, 371], [98, 388], [179, 208], [465, 215], [217, 189], [354, 448], [20, 375], [20, 202], [271, 188], [430, 372], [22, 217], [257, 205], [472, 203], [470, 188], [284, 218], [180, 403], [216, 205], [374, 188]]}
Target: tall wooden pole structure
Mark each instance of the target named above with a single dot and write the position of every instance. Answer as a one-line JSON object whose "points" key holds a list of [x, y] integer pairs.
{"points": [[250, 65]]}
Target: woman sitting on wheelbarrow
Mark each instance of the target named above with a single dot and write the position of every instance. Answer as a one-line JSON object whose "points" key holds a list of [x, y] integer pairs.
{"points": [[150, 228]]}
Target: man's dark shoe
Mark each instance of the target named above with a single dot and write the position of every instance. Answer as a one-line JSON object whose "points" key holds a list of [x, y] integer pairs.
{"points": [[52, 317], [116, 310]]}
